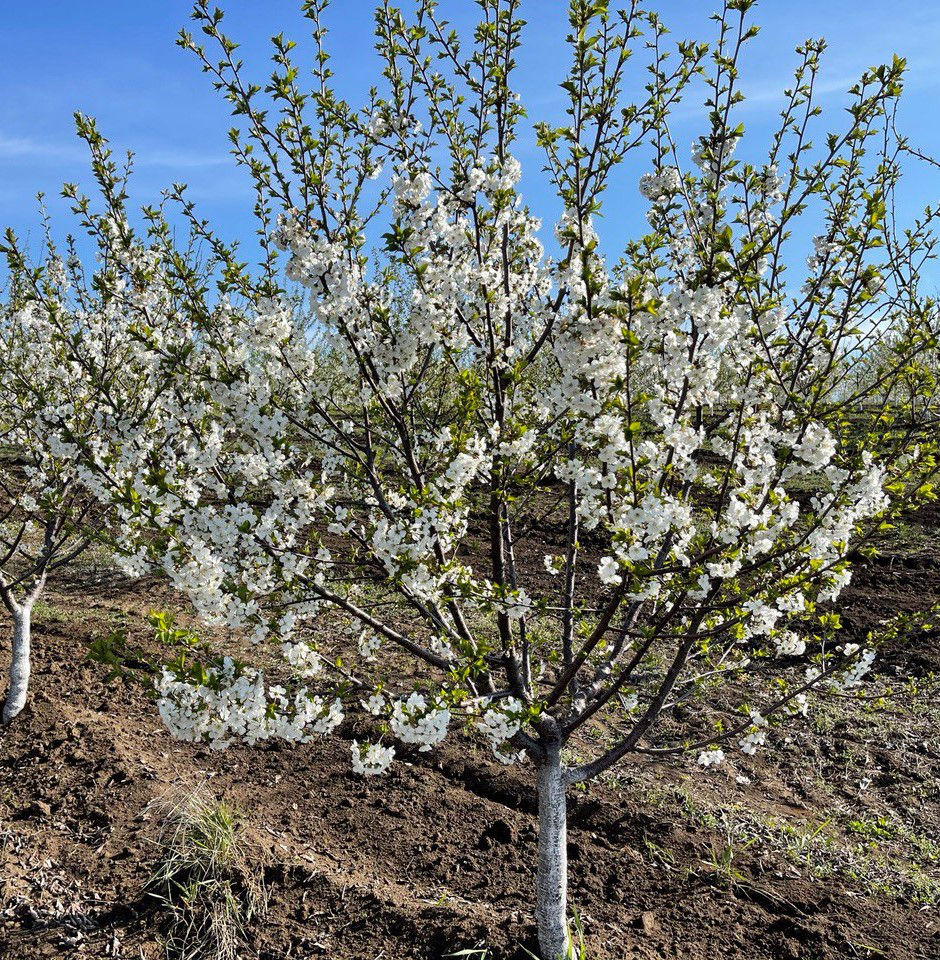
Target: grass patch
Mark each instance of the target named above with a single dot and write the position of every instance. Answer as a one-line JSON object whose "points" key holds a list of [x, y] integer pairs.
{"points": [[208, 878]]}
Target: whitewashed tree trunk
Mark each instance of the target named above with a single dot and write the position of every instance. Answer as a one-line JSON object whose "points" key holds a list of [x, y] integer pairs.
{"points": [[19, 661], [551, 899]]}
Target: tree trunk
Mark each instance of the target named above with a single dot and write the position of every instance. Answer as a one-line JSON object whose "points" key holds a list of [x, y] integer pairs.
{"points": [[19, 662], [551, 895]]}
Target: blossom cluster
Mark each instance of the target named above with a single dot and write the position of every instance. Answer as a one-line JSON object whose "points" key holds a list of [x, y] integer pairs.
{"points": [[232, 703], [500, 721], [416, 720]]}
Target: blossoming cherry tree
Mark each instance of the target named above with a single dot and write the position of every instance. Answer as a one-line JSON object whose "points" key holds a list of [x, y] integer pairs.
{"points": [[551, 496], [47, 518]]}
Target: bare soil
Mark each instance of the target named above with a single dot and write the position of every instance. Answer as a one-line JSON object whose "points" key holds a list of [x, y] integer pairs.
{"points": [[826, 847]]}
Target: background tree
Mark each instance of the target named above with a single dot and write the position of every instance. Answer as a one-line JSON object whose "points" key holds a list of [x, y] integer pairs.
{"points": [[86, 359], [552, 498], [47, 518]]}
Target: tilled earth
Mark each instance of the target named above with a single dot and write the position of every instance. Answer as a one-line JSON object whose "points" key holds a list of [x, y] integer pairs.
{"points": [[827, 847]]}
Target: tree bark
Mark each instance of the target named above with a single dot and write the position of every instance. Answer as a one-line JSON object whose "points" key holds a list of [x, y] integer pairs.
{"points": [[19, 662], [551, 895]]}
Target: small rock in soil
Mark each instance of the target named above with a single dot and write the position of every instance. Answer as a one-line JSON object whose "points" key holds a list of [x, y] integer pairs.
{"points": [[38, 808]]}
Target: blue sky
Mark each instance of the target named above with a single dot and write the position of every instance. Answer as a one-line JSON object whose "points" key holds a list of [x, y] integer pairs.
{"points": [[116, 60]]}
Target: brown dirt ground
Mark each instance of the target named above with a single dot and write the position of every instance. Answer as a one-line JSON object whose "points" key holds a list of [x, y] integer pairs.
{"points": [[830, 844]]}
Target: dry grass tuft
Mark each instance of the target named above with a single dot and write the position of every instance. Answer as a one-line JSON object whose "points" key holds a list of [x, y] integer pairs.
{"points": [[209, 877]]}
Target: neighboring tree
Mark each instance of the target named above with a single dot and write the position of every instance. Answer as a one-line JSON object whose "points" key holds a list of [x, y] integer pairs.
{"points": [[553, 498], [46, 517], [85, 359]]}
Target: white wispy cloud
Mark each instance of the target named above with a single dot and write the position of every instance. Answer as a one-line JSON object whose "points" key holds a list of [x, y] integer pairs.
{"points": [[27, 148]]}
